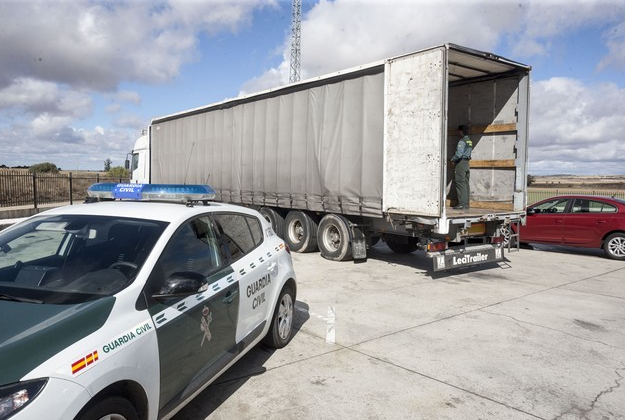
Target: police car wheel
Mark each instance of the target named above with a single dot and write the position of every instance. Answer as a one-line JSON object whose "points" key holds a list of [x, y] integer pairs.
{"points": [[281, 329], [109, 408]]}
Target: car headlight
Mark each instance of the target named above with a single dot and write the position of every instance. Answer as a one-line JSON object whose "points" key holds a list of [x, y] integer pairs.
{"points": [[15, 396]]}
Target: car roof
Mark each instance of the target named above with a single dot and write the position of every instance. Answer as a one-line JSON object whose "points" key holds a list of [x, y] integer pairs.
{"points": [[168, 212]]}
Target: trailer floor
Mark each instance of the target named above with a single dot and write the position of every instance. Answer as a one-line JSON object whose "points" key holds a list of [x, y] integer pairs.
{"points": [[473, 212]]}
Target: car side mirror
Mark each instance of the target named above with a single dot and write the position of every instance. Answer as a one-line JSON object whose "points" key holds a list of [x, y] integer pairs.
{"points": [[182, 284], [531, 211]]}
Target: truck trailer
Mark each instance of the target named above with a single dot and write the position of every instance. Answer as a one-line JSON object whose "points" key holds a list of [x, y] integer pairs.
{"points": [[341, 161]]}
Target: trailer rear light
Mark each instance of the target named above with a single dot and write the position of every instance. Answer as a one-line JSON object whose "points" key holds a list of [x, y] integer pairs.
{"points": [[497, 240], [437, 246]]}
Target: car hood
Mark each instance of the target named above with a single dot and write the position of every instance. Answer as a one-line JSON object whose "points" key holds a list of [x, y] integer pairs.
{"points": [[32, 333]]}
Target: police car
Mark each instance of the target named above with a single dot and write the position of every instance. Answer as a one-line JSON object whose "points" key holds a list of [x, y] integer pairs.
{"points": [[126, 307]]}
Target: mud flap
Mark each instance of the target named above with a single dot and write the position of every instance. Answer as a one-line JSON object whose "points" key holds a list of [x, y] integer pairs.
{"points": [[359, 243]]}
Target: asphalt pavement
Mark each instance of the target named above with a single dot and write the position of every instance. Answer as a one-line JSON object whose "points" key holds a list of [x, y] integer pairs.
{"points": [[540, 336]]}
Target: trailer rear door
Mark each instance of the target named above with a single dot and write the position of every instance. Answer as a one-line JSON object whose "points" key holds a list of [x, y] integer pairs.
{"points": [[415, 133]]}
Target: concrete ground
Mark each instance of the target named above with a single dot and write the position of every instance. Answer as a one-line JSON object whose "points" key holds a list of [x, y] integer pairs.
{"points": [[541, 336]]}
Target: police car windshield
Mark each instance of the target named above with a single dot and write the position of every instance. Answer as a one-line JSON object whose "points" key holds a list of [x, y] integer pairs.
{"points": [[74, 258]]}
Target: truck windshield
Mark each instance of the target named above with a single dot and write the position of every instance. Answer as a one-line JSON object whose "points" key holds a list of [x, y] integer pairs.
{"points": [[73, 258]]}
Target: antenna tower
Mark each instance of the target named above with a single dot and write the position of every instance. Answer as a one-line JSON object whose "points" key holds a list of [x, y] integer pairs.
{"points": [[296, 29]]}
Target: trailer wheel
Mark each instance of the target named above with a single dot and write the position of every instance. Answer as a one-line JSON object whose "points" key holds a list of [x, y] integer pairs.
{"points": [[401, 245], [334, 238], [276, 220], [300, 232]]}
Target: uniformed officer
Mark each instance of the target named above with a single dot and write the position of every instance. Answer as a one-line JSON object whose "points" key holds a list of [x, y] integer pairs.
{"points": [[462, 172]]}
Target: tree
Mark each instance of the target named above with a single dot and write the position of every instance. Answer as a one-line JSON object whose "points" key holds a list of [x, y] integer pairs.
{"points": [[530, 180], [107, 164], [45, 167], [118, 172]]}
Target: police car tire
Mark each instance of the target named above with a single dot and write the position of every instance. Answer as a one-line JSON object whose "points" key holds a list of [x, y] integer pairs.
{"points": [[300, 231], [276, 220], [400, 247], [334, 238], [113, 408], [283, 316]]}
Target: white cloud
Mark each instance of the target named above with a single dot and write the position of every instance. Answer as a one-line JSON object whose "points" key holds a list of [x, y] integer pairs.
{"points": [[577, 128], [35, 96], [65, 146], [96, 45], [615, 40]]}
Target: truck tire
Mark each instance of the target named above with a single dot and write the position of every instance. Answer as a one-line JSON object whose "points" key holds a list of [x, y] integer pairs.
{"points": [[334, 238], [300, 231], [276, 220], [401, 245], [614, 246]]}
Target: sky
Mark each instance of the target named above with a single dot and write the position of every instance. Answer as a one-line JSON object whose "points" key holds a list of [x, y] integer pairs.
{"points": [[80, 79]]}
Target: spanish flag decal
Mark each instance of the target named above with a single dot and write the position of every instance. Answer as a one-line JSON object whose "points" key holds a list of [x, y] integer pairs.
{"points": [[80, 364]]}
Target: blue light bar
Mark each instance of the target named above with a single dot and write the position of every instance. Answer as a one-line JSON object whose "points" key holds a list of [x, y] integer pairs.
{"points": [[152, 192]]}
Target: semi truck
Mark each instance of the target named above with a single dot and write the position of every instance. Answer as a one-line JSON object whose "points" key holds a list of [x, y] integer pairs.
{"points": [[341, 161]]}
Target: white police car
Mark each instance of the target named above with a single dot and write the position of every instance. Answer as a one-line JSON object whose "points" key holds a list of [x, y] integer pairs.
{"points": [[128, 309]]}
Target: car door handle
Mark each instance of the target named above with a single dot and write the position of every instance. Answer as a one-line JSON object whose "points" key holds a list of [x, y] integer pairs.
{"points": [[229, 298], [272, 266], [601, 221]]}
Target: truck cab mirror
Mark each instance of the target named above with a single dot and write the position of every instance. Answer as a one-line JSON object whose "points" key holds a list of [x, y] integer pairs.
{"points": [[182, 284], [127, 164]]}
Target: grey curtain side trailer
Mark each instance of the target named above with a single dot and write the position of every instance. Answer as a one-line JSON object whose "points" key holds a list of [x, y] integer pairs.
{"points": [[339, 161]]}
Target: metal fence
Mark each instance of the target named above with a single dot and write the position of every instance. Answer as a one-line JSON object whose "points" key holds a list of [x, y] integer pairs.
{"points": [[537, 194], [20, 188]]}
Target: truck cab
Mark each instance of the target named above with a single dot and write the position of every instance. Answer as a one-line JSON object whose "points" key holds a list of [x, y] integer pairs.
{"points": [[139, 160]]}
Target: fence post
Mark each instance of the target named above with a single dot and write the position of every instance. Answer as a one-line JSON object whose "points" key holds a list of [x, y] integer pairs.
{"points": [[35, 189], [71, 190]]}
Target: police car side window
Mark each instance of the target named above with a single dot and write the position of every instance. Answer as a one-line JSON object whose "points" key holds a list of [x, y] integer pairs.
{"points": [[193, 248], [240, 233], [255, 228]]}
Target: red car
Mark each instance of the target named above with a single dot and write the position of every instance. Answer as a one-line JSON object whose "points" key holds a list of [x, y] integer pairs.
{"points": [[577, 220]]}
